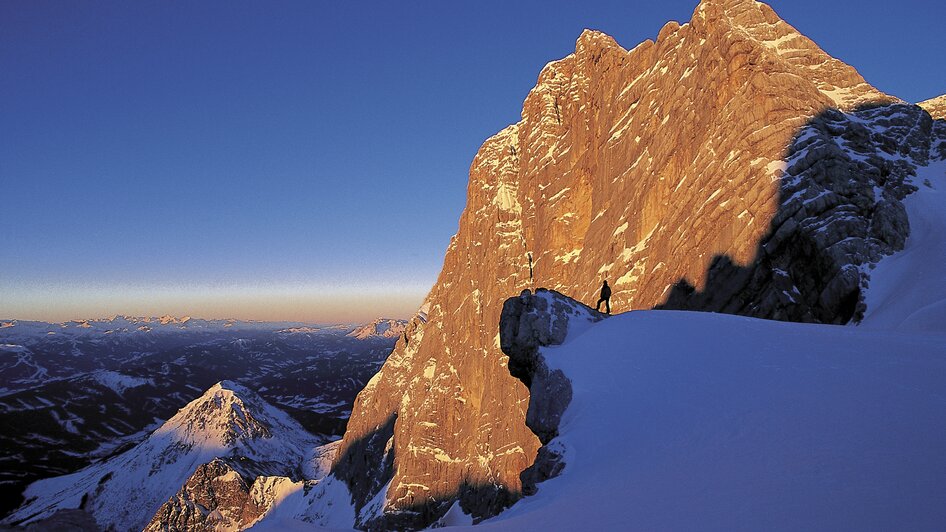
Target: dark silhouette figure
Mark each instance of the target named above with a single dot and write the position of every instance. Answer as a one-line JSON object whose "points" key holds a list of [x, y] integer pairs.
{"points": [[605, 297]]}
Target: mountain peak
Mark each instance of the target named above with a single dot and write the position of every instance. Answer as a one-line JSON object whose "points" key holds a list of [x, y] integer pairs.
{"points": [[379, 328], [736, 11], [784, 48], [643, 166], [167, 318], [593, 40], [123, 492], [228, 386], [226, 413]]}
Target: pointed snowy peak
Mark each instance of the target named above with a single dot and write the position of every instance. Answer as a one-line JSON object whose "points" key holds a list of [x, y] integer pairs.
{"points": [[379, 328], [168, 319], [936, 107], [227, 422], [227, 413]]}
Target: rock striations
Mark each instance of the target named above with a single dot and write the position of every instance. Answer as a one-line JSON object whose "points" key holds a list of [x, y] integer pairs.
{"points": [[729, 165]]}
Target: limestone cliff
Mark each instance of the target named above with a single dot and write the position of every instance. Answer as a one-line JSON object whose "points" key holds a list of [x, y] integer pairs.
{"points": [[684, 160]]}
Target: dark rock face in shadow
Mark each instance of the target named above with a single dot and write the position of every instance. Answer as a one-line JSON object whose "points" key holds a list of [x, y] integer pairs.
{"points": [[529, 322], [359, 466], [840, 211], [365, 480]]}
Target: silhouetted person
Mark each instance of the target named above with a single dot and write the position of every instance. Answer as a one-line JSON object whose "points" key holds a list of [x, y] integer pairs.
{"points": [[605, 297]]}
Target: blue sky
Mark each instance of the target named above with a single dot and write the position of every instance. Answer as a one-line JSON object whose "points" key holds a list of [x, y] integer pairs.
{"points": [[298, 160]]}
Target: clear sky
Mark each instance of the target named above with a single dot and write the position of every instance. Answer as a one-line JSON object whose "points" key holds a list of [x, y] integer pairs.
{"points": [[299, 160]]}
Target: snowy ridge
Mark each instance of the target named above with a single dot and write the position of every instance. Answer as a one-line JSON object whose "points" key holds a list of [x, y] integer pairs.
{"points": [[118, 381], [907, 290], [752, 424], [228, 421], [380, 328]]}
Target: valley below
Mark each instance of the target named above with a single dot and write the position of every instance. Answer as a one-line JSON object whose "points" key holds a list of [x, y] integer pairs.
{"points": [[81, 392]]}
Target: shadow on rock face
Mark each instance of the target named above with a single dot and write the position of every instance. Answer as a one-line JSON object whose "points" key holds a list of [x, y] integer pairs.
{"points": [[840, 211], [364, 480], [359, 465]]}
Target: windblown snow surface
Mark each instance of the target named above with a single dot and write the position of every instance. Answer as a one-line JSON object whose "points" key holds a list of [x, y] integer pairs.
{"points": [[697, 421]]}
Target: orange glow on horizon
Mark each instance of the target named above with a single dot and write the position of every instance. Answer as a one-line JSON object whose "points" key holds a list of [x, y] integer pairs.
{"points": [[302, 304]]}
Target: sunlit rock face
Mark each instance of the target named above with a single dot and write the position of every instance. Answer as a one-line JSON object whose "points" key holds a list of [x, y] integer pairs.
{"points": [[936, 107], [637, 166]]}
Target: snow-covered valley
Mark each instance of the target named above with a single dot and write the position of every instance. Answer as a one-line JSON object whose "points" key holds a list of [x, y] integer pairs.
{"points": [[95, 388]]}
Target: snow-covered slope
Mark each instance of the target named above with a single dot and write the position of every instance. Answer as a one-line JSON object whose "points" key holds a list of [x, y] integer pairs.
{"points": [[221, 496], [228, 421], [701, 421], [908, 289]]}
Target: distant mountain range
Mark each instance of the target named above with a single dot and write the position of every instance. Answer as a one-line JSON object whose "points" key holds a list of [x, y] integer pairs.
{"points": [[380, 328], [74, 393], [133, 324]]}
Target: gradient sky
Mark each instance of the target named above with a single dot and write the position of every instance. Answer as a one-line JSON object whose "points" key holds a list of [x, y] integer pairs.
{"points": [[298, 160]]}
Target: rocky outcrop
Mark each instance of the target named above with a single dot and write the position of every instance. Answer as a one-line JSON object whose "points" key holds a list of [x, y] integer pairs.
{"points": [[649, 167], [527, 323], [231, 494], [215, 497], [936, 107]]}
